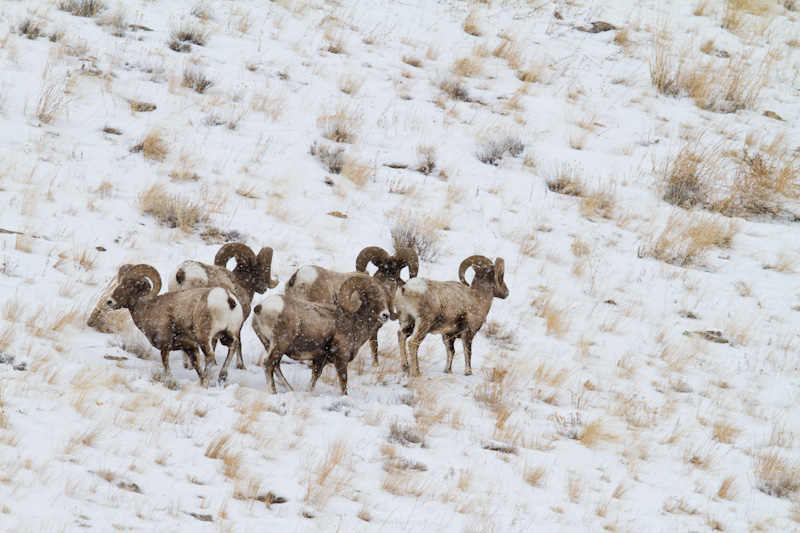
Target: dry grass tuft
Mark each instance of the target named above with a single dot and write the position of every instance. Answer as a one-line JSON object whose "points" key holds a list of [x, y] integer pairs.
{"points": [[357, 172], [426, 159], [30, 26], [170, 210], [535, 475], [688, 177], [775, 474], [598, 204], [728, 490], [563, 179], [555, 315], [471, 24], [340, 126], [153, 146], [686, 239], [761, 183]]}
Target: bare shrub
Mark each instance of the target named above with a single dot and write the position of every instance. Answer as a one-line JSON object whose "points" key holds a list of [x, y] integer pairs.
{"points": [[196, 79], [404, 434], [170, 210], [471, 24], [533, 73], [570, 426], [332, 159], [492, 149], [116, 22], [189, 32], [82, 8], [412, 60], [426, 159], [30, 27], [417, 232], [455, 88]]}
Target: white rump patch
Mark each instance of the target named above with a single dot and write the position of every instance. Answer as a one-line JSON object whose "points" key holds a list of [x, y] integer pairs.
{"points": [[222, 316], [306, 276], [195, 277], [416, 286], [271, 307]]}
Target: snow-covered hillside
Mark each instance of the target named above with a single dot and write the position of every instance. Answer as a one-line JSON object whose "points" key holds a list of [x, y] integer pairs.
{"points": [[641, 184]]}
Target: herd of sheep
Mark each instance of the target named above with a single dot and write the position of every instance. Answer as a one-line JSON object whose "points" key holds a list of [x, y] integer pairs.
{"points": [[323, 317]]}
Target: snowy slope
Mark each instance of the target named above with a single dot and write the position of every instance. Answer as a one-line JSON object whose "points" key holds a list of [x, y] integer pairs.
{"points": [[600, 399]]}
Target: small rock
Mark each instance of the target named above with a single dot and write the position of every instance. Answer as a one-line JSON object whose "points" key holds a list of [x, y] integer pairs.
{"points": [[501, 447], [610, 302], [202, 517], [328, 181], [557, 14], [709, 335], [21, 367], [115, 358], [337, 214], [773, 114], [688, 314], [721, 53], [100, 249], [396, 165], [598, 27], [142, 107], [133, 487]]}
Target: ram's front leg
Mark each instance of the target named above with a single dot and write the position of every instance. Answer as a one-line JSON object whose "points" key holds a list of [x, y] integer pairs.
{"points": [[208, 352]]}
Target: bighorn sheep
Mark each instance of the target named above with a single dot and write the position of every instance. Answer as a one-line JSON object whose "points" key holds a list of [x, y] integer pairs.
{"points": [[183, 320], [318, 332], [252, 274], [317, 284], [449, 308]]}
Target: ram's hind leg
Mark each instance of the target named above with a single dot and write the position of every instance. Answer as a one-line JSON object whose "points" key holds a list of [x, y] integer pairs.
{"points": [[208, 352], [373, 347], [237, 348], [341, 370], [450, 346], [316, 370], [420, 331], [406, 328], [165, 362], [466, 338], [232, 349]]}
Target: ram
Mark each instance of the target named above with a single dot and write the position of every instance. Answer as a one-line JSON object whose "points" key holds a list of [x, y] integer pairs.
{"points": [[448, 308], [317, 284], [252, 274], [318, 332], [189, 320]]}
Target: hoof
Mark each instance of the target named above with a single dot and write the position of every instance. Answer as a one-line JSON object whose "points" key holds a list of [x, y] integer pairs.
{"points": [[405, 367], [223, 377], [240, 366], [468, 373], [447, 371]]}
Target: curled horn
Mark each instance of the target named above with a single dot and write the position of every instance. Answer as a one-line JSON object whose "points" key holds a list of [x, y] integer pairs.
{"points": [[472, 261], [264, 260], [370, 254], [361, 284], [411, 260], [499, 271], [142, 271], [243, 254]]}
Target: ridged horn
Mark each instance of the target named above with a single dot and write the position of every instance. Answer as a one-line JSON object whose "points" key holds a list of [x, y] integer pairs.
{"points": [[264, 261], [142, 271], [370, 254], [411, 260], [472, 261], [243, 254], [362, 284], [501, 291]]}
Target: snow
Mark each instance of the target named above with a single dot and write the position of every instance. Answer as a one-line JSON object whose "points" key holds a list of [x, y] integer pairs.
{"points": [[599, 398]]}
